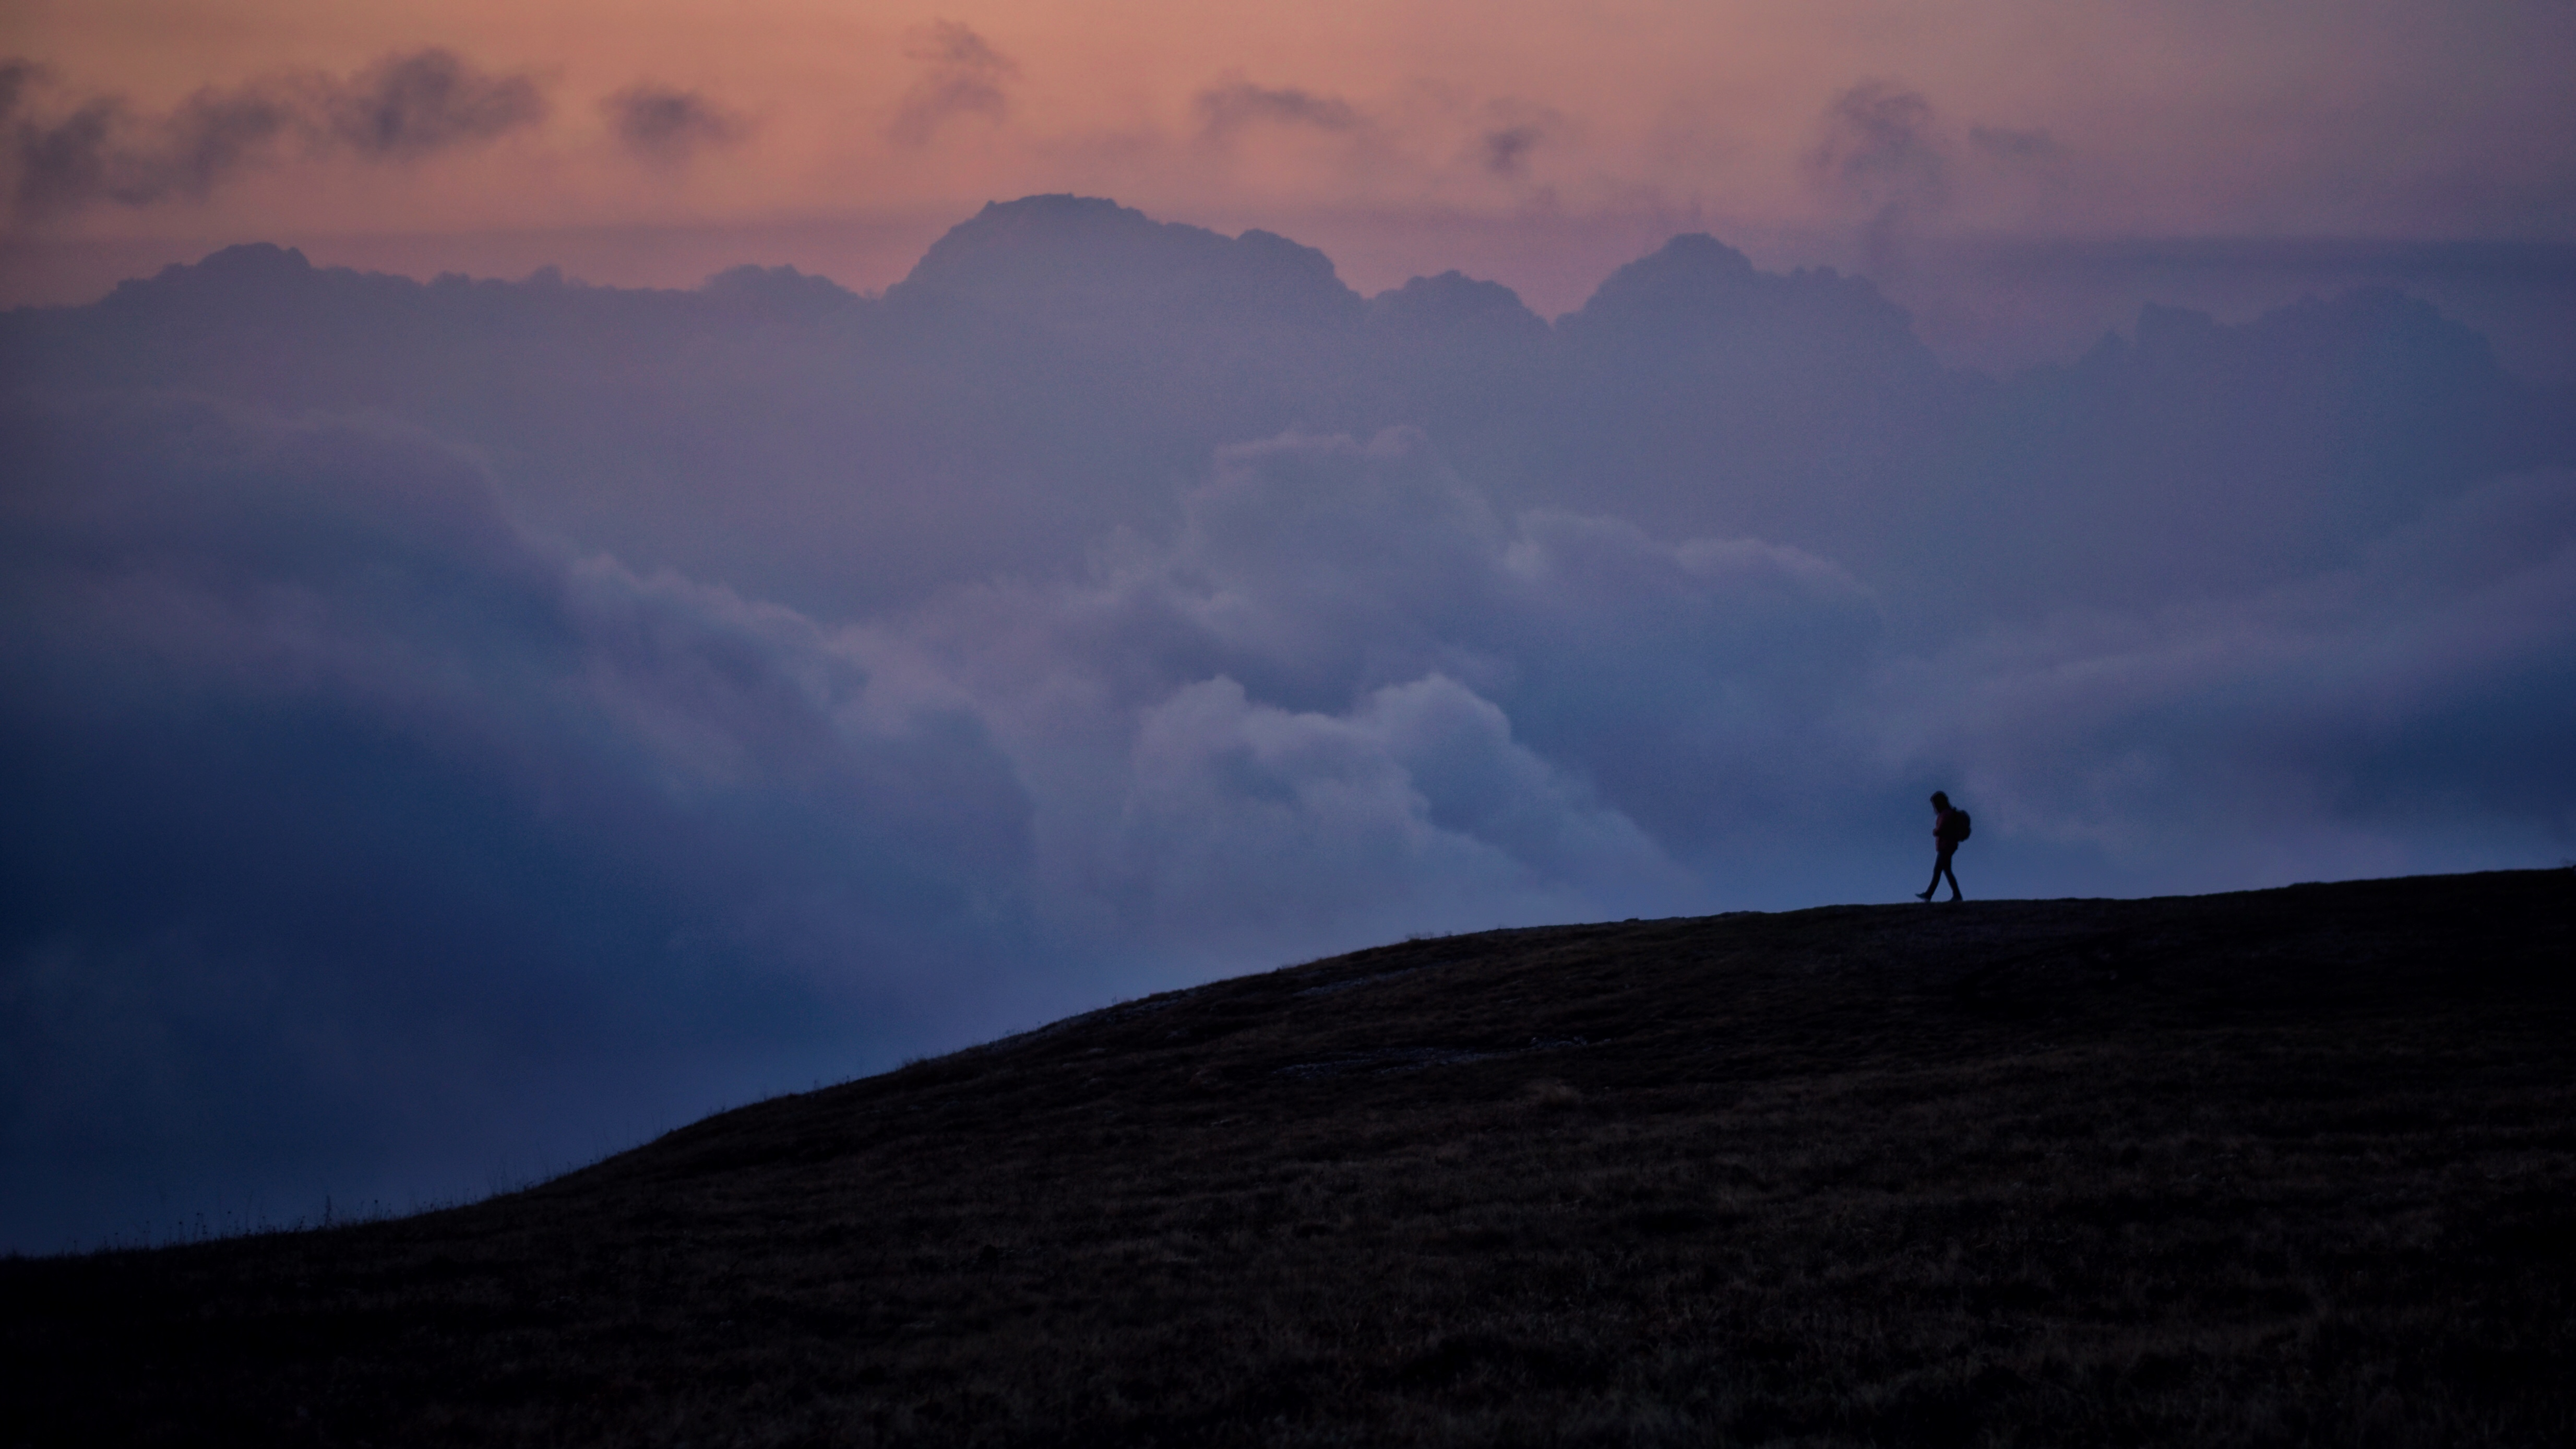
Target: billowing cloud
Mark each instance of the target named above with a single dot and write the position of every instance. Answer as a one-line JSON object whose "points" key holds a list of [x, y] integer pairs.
{"points": [[593, 704], [1493, 704], [961, 75], [1247, 824], [402, 108], [2389, 715], [318, 762], [666, 126], [346, 821]]}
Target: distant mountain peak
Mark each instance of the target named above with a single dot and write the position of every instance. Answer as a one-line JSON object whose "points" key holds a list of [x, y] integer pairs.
{"points": [[246, 266], [1698, 287], [1453, 302], [254, 259], [1084, 259], [778, 289]]}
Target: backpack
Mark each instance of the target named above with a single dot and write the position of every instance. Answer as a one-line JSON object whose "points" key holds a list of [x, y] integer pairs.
{"points": [[1960, 816]]}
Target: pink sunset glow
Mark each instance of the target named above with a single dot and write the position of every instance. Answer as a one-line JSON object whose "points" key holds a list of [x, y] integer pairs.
{"points": [[1538, 143]]}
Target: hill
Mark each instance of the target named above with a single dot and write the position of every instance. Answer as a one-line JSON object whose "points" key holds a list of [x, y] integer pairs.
{"points": [[2285, 1166]]}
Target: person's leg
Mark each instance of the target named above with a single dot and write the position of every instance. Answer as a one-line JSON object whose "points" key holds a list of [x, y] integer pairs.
{"points": [[1943, 869], [1938, 862]]}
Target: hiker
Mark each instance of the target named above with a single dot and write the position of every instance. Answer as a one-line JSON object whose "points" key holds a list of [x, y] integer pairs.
{"points": [[1949, 827]]}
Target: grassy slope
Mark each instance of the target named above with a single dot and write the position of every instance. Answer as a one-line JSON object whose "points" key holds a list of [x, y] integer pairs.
{"points": [[2285, 1166]]}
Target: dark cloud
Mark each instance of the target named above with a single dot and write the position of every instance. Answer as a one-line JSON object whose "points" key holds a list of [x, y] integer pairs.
{"points": [[402, 108], [63, 163], [961, 75], [667, 126], [200, 144], [1879, 149], [1878, 144], [16, 77], [1514, 131], [407, 106], [1235, 103], [1507, 150], [210, 136]]}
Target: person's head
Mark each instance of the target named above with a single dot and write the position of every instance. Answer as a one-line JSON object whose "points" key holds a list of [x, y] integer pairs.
{"points": [[1940, 800]]}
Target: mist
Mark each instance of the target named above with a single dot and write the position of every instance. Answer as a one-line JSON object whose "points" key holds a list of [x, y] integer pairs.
{"points": [[454, 729]]}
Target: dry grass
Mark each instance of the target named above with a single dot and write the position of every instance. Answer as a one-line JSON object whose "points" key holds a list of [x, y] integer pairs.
{"points": [[2284, 1167]]}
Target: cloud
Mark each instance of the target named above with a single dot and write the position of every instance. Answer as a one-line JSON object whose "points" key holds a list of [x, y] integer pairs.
{"points": [[1879, 148], [351, 817], [367, 832], [962, 75], [16, 77], [2024, 171], [667, 126], [348, 821], [408, 106], [1515, 131], [403, 108], [1877, 143], [2388, 716], [1247, 824], [1507, 150], [1349, 697], [1234, 104], [61, 163], [99, 151]]}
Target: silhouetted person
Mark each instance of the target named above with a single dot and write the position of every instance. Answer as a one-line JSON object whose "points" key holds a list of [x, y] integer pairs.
{"points": [[1949, 827]]}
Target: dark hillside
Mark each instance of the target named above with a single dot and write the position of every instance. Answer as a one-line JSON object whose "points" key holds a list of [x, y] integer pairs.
{"points": [[2292, 1166]]}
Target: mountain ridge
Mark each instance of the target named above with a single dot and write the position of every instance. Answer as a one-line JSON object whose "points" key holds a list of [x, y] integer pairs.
{"points": [[2287, 1165]]}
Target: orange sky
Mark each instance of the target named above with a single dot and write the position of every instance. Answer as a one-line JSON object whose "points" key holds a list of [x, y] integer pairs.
{"points": [[1403, 135]]}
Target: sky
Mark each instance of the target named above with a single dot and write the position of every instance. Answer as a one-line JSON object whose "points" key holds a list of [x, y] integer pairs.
{"points": [[565, 566], [1537, 143]]}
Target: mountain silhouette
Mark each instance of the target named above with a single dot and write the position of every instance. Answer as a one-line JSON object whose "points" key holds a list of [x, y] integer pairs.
{"points": [[1078, 261], [1058, 367], [1454, 305]]}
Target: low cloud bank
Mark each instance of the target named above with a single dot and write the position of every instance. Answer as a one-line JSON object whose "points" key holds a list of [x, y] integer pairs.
{"points": [[2384, 717], [358, 842], [472, 725], [1349, 699]]}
